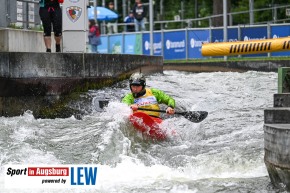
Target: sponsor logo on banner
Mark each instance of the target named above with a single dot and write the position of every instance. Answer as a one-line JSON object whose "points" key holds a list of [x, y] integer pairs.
{"points": [[246, 38], [178, 46], [63, 176], [147, 45], [156, 46], [195, 43], [74, 13]]}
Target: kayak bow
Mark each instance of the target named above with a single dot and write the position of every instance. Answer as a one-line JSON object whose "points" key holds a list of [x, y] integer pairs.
{"points": [[148, 125]]}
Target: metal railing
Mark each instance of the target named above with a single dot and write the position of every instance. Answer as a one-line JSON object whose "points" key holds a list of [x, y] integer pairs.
{"points": [[27, 14], [207, 21], [28, 18]]}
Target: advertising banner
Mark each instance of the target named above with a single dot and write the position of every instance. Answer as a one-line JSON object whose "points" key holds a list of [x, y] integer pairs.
{"points": [[174, 45], [195, 40], [279, 32], [157, 44], [115, 44], [218, 35], [103, 48], [254, 33], [132, 44]]}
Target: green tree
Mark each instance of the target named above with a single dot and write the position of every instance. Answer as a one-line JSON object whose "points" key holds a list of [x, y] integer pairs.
{"points": [[265, 15], [208, 8], [218, 10]]}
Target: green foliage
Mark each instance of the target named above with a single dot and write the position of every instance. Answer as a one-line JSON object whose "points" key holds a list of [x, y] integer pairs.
{"points": [[14, 26], [35, 28], [204, 8], [200, 9]]}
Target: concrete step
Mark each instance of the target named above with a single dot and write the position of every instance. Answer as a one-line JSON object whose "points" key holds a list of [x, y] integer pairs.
{"points": [[277, 115], [282, 100]]}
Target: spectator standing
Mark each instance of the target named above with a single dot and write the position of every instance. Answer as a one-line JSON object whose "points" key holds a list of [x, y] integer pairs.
{"points": [[140, 13], [112, 24], [129, 20], [51, 16], [94, 36]]}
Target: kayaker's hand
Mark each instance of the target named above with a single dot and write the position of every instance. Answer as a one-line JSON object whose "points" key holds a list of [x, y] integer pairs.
{"points": [[170, 110], [134, 107]]}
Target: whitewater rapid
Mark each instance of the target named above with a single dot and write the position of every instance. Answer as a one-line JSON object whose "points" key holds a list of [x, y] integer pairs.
{"points": [[224, 153]]}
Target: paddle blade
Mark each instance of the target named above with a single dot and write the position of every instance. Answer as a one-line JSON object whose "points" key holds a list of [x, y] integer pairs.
{"points": [[195, 116]]}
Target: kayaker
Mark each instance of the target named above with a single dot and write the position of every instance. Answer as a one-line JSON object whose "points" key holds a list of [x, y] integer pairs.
{"points": [[149, 98]]}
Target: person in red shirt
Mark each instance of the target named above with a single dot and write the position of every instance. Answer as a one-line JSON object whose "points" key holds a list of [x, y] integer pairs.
{"points": [[94, 36]]}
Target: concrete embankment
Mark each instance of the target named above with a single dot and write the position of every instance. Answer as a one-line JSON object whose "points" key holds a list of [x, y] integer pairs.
{"points": [[277, 134], [20, 40], [277, 142], [45, 82]]}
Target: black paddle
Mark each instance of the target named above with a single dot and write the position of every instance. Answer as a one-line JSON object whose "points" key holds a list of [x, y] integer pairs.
{"points": [[194, 116]]}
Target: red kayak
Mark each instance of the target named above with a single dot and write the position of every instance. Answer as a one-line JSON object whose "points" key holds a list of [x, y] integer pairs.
{"points": [[148, 125]]}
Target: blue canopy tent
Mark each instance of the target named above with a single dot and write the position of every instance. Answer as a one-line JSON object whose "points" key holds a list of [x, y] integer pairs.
{"points": [[103, 14]]}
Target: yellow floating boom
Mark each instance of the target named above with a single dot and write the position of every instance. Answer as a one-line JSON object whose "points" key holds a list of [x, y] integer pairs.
{"points": [[246, 47]]}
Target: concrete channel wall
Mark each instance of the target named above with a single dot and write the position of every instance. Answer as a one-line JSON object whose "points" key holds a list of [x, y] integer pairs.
{"points": [[58, 73], [277, 143], [19, 40], [45, 82], [277, 134]]}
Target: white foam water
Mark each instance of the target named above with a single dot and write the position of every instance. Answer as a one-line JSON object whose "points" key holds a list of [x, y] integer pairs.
{"points": [[223, 153]]}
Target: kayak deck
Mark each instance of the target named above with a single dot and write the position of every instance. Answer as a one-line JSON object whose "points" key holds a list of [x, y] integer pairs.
{"points": [[148, 125]]}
